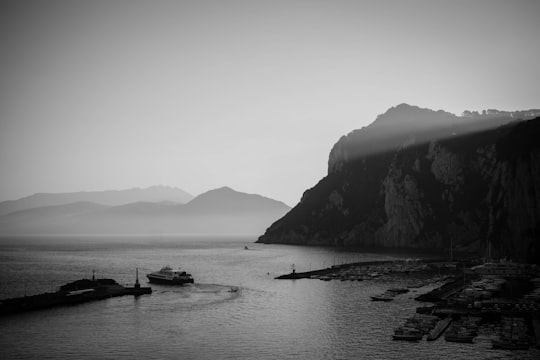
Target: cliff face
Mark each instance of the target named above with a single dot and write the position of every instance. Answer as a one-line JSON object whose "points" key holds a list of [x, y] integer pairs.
{"points": [[417, 178]]}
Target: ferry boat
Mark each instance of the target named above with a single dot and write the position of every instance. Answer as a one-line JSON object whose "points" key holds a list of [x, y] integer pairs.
{"points": [[168, 275]]}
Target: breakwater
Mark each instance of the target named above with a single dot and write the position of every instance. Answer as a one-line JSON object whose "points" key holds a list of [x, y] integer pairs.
{"points": [[74, 293], [378, 269]]}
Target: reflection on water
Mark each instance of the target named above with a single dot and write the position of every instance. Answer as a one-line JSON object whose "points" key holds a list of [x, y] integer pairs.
{"points": [[264, 319]]}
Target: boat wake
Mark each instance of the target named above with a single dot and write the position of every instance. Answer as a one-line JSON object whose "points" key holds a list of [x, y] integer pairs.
{"points": [[193, 295]]}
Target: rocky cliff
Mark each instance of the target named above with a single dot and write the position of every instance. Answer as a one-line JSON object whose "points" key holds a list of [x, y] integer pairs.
{"points": [[423, 179]]}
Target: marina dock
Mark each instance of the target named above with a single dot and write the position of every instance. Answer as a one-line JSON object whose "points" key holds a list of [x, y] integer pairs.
{"points": [[439, 328], [498, 300]]}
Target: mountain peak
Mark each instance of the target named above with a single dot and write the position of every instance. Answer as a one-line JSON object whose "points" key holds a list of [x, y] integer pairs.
{"points": [[226, 198], [405, 106], [410, 114], [225, 189], [401, 124], [222, 191]]}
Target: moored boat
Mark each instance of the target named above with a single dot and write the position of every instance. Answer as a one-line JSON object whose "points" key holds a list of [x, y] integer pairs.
{"points": [[398, 291], [168, 275], [462, 336], [382, 297], [407, 334]]}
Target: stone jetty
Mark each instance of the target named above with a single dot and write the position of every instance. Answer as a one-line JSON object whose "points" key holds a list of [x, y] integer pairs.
{"points": [[415, 270], [77, 292]]}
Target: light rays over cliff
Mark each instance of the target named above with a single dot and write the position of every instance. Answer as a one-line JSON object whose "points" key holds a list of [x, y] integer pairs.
{"points": [[100, 95], [405, 125]]}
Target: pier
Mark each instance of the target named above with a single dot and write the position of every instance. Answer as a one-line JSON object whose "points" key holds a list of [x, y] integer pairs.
{"points": [[74, 293], [368, 269], [443, 292], [439, 328]]}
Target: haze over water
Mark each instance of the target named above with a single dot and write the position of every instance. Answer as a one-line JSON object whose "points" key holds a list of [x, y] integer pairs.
{"points": [[265, 319]]}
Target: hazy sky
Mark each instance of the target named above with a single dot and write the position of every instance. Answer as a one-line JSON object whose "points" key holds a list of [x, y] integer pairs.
{"points": [[98, 95]]}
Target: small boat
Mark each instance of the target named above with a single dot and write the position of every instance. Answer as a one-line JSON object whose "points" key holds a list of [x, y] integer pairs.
{"points": [[407, 334], [463, 330], [425, 309], [461, 337], [398, 290], [233, 290], [169, 276], [416, 285], [382, 297], [385, 296]]}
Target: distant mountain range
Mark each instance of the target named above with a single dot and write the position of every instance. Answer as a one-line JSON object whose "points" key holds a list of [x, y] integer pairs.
{"points": [[111, 197], [222, 211]]}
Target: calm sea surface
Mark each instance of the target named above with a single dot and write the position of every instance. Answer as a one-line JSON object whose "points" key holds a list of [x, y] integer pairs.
{"points": [[265, 319]]}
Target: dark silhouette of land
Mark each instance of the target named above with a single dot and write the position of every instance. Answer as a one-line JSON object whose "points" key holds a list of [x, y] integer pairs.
{"points": [[422, 179]]}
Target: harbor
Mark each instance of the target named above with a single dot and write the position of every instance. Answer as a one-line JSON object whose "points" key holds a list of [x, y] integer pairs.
{"points": [[468, 302]]}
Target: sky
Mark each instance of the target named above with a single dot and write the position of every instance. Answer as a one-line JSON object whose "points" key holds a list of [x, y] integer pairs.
{"points": [[101, 95]]}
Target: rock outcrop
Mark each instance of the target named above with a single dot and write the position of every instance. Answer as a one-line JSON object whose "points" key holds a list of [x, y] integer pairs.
{"points": [[424, 179]]}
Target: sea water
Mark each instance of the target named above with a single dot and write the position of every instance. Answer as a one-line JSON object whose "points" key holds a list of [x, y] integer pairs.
{"points": [[264, 319]]}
